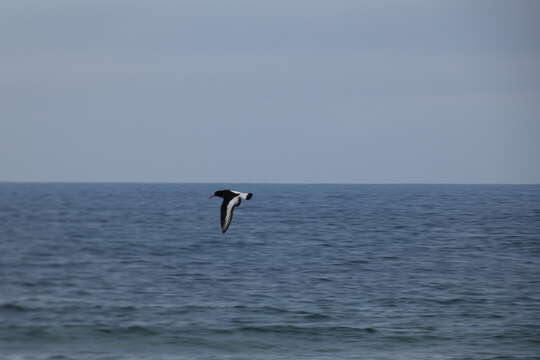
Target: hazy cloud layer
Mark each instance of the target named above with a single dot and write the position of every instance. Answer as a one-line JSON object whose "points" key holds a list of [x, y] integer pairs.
{"points": [[287, 91]]}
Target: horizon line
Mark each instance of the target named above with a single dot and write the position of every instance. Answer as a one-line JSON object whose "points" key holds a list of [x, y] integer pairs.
{"points": [[254, 182]]}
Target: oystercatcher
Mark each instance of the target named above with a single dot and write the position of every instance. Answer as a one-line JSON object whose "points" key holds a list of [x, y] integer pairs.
{"points": [[231, 199]]}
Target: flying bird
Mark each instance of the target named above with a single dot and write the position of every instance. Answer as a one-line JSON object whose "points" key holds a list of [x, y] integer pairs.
{"points": [[231, 200]]}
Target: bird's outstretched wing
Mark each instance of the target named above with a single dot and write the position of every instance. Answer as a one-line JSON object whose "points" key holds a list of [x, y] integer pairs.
{"points": [[227, 210]]}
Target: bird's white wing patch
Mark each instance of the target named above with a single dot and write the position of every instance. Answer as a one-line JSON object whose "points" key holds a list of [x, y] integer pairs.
{"points": [[242, 195], [230, 209]]}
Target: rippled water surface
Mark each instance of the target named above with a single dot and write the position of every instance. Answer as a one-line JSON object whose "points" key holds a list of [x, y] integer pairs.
{"points": [[142, 271]]}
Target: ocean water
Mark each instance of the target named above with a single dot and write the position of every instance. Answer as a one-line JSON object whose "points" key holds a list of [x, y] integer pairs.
{"points": [[142, 271]]}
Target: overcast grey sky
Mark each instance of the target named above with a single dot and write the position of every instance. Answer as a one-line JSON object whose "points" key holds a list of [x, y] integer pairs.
{"points": [[270, 91]]}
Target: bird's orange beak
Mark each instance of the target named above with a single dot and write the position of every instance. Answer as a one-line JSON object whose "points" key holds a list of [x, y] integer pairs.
{"points": [[211, 196]]}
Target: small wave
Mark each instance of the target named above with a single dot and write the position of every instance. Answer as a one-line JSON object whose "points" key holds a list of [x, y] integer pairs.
{"points": [[316, 316], [66, 306], [413, 338], [307, 330], [9, 307], [72, 332], [265, 309], [272, 310], [527, 333], [128, 330], [29, 332], [449, 301], [307, 315], [459, 300], [59, 357], [116, 308]]}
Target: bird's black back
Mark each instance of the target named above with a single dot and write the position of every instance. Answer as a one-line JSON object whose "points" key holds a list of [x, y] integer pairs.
{"points": [[227, 195]]}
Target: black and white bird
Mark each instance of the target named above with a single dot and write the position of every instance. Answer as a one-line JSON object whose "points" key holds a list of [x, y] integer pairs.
{"points": [[231, 200]]}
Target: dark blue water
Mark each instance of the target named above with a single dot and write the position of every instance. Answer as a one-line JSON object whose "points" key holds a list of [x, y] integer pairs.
{"points": [[142, 271]]}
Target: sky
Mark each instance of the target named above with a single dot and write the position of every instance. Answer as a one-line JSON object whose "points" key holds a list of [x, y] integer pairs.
{"points": [[288, 91]]}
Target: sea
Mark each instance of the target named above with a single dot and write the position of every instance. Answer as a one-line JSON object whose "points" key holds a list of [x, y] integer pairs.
{"points": [[142, 271]]}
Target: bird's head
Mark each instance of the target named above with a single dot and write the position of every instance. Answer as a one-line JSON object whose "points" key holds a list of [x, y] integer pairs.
{"points": [[218, 193]]}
